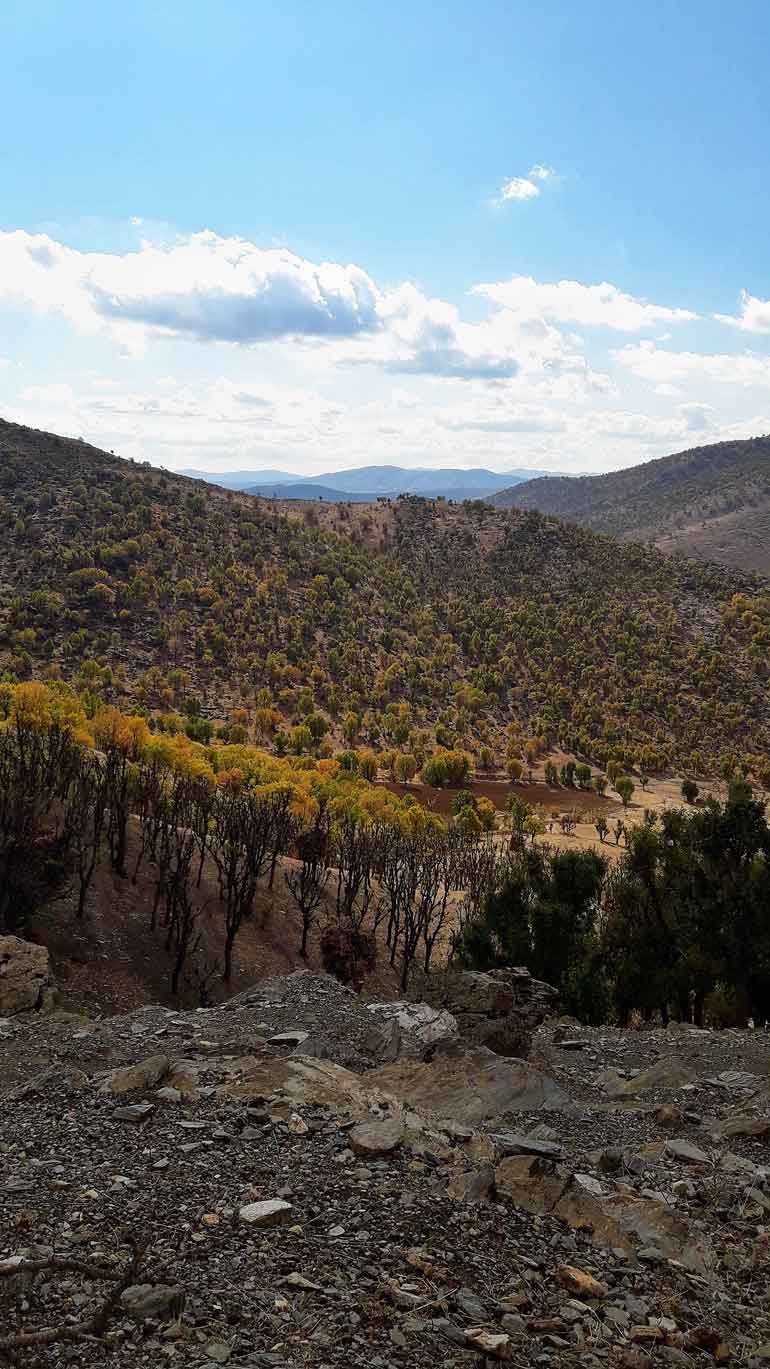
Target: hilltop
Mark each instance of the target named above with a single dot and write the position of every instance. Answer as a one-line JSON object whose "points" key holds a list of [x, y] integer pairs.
{"points": [[411, 623], [709, 502]]}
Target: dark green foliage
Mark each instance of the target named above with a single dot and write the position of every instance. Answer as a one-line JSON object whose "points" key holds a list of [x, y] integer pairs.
{"points": [[683, 916]]}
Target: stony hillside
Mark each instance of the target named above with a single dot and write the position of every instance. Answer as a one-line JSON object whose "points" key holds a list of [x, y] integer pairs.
{"points": [[218, 1187], [410, 623], [710, 502]]}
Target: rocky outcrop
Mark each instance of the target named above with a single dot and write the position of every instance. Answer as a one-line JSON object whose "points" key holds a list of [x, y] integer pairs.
{"points": [[408, 1029], [499, 1010], [26, 982], [468, 1084]]}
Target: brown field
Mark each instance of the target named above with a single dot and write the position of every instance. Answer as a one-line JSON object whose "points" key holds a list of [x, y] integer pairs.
{"points": [[546, 796]]}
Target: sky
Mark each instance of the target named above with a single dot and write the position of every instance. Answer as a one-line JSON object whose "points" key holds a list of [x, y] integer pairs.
{"points": [[314, 235]]}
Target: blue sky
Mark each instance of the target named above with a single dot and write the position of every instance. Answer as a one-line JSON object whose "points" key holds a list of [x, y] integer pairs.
{"points": [[315, 235]]}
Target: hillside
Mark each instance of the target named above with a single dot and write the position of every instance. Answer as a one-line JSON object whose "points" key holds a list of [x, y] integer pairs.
{"points": [[305, 489], [710, 502], [245, 1203], [411, 624]]}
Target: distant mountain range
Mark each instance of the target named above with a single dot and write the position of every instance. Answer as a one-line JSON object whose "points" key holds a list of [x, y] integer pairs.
{"points": [[709, 502], [364, 483]]}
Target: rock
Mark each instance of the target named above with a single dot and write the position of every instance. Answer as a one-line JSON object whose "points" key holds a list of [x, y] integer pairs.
{"points": [[322, 1047], [218, 1351], [303, 1081], [183, 1076], [447, 1328], [758, 1198], [735, 1079], [383, 1042], [610, 1161], [646, 1335], [272, 1212], [668, 1115], [511, 1143], [372, 1139], [136, 1078], [496, 1344], [679, 1149], [579, 1282], [531, 1182], [740, 1125], [134, 1112], [156, 1300], [620, 1221], [499, 1010], [472, 1185], [294, 1037], [669, 1073], [469, 1084], [26, 981], [730, 1163], [423, 1023]]}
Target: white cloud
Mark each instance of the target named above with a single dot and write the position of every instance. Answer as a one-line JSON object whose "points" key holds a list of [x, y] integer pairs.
{"points": [[525, 187], [754, 316], [204, 287], [568, 301], [664, 368], [519, 188], [314, 366]]}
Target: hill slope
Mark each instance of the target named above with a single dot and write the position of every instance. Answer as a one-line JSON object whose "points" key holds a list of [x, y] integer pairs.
{"points": [[711, 502], [408, 624]]}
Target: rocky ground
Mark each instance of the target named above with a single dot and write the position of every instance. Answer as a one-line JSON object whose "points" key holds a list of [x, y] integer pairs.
{"points": [[292, 1179]]}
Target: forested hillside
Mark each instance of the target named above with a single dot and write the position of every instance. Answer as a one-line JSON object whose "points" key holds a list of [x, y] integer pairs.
{"points": [[412, 624], [711, 502]]}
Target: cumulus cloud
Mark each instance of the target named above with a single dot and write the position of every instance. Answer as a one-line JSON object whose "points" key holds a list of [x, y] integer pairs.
{"points": [[754, 316], [204, 287], [665, 369], [524, 187], [207, 288], [568, 301]]}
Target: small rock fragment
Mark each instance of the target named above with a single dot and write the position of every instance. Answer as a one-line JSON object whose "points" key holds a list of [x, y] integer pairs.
{"points": [[272, 1212]]}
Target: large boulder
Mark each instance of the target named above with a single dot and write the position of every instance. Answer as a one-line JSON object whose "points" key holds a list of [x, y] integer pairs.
{"points": [[621, 1221], [499, 1010], [26, 982], [468, 1084], [302, 1081], [409, 1028]]}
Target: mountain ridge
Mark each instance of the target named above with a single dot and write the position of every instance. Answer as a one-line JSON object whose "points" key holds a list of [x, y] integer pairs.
{"points": [[378, 481], [711, 502]]}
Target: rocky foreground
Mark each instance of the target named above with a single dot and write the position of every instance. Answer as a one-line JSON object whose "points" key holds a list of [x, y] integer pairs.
{"points": [[296, 1178]]}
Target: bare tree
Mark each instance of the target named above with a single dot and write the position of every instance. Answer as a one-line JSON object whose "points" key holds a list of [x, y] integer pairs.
{"points": [[307, 883]]}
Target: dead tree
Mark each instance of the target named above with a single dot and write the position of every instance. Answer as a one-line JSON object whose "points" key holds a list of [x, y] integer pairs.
{"points": [[307, 884], [241, 844], [86, 819]]}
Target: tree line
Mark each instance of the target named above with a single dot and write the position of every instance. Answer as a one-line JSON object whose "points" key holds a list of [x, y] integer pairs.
{"points": [[678, 928], [65, 808]]}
